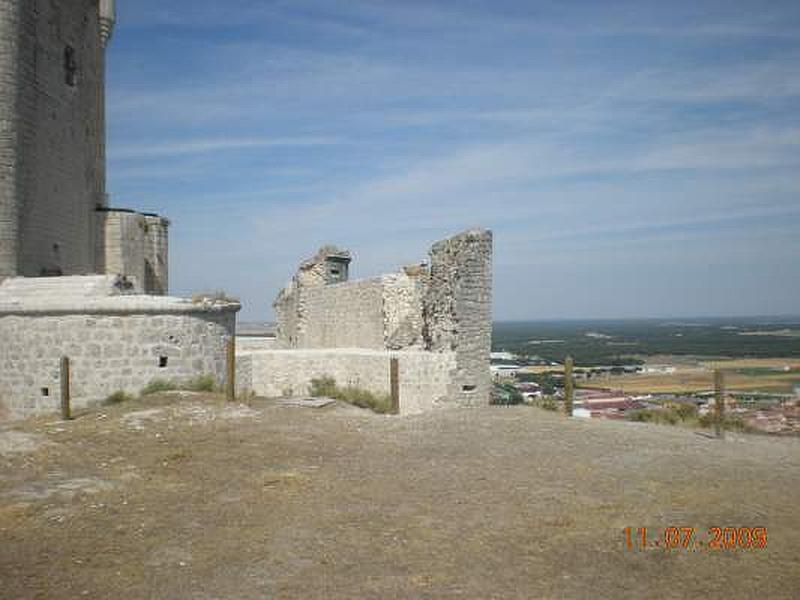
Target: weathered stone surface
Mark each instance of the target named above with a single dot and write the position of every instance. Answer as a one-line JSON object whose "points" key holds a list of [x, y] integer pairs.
{"points": [[425, 377], [52, 150], [442, 308], [115, 340], [458, 309]]}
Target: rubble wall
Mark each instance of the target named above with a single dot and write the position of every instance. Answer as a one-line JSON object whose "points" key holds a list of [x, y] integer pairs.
{"points": [[403, 322], [458, 310]]}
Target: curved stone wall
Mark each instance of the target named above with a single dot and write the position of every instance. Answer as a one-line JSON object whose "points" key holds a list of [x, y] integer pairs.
{"points": [[108, 350]]}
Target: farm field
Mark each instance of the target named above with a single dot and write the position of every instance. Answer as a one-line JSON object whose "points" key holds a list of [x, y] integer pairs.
{"points": [[697, 380], [771, 375]]}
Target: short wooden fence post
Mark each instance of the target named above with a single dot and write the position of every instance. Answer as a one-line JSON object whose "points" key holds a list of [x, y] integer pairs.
{"points": [[568, 386], [66, 409], [230, 380], [719, 403], [394, 384]]}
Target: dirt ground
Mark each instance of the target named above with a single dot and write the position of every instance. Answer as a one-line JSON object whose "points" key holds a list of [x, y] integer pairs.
{"points": [[183, 497]]}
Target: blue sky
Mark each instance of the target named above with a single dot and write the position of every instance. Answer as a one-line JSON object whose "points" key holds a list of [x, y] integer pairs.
{"points": [[632, 158]]}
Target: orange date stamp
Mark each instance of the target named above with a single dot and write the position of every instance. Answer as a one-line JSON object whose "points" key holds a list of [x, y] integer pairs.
{"points": [[690, 538]]}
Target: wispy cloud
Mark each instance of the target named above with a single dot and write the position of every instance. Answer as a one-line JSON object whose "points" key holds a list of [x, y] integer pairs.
{"points": [[202, 146], [605, 138]]}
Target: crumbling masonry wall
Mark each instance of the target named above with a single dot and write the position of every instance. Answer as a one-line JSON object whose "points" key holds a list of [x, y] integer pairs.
{"points": [[443, 307], [458, 309]]}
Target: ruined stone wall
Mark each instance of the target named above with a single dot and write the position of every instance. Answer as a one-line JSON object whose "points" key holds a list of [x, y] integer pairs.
{"points": [[380, 313], [444, 307], [288, 315], [156, 255], [403, 297], [458, 310], [52, 127], [108, 352], [425, 378], [343, 315]]}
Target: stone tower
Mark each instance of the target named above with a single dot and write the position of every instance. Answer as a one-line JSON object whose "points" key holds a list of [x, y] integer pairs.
{"points": [[54, 215]]}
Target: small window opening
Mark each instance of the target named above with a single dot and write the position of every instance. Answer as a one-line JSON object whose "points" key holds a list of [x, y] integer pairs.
{"points": [[334, 271], [468, 388], [70, 66], [162, 362], [45, 391]]}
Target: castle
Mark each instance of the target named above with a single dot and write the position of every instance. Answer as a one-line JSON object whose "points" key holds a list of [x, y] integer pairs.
{"points": [[82, 280], [78, 278], [54, 213], [440, 308]]}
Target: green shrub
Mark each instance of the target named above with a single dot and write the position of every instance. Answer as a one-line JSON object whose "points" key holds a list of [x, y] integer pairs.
{"points": [[658, 416], [201, 383], [158, 385], [729, 422], [685, 411], [118, 397], [547, 403], [706, 420], [326, 386], [736, 423], [381, 403], [505, 394], [323, 386]]}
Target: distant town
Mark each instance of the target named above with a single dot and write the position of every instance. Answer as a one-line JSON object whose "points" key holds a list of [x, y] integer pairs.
{"points": [[677, 392]]}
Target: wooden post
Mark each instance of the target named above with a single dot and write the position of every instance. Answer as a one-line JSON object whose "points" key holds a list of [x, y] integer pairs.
{"points": [[394, 383], [719, 403], [66, 409], [230, 380], [568, 387]]}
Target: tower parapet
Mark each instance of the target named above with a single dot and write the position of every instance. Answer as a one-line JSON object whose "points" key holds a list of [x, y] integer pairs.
{"points": [[108, 18]]}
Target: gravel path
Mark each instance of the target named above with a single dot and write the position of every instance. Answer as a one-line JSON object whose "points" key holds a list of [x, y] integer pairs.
{"points": [[185, 498]]}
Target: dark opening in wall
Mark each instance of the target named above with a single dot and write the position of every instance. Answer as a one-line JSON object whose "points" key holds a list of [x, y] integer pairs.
{"points": [[45, 391], [70, 66], [468, 388], [162, 362]]}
